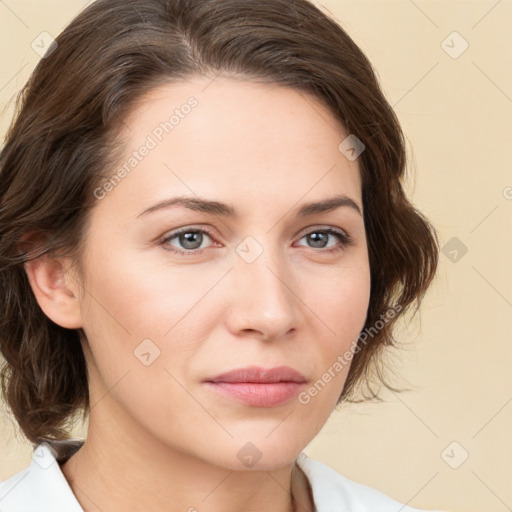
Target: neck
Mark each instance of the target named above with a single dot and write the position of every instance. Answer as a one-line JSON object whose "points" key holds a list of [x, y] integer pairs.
{"points": [[131, 470]]}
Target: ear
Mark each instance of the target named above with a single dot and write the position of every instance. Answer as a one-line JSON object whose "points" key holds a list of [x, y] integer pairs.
{"points": [[56, 290]]}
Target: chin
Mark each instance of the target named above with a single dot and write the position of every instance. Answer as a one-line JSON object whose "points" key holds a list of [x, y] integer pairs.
{"points": [[262, 455]]}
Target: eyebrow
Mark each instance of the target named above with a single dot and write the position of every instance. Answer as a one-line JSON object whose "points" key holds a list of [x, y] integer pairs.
{"points": [[199, 204]]}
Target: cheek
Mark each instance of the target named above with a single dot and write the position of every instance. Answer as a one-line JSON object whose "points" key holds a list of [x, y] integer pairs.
{"points": [[134, 308], [142, 298], [341, 304], [341, 299], [129, 310]]}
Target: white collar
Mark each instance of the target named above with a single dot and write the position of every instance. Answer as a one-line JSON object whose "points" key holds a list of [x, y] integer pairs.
{"points": [[41, 487]]}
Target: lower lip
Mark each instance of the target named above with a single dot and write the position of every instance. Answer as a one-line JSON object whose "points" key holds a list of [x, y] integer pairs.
{"points": [[268, 394]]}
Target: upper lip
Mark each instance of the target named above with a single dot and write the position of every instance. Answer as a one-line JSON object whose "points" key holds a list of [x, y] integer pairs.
{"points": [[258, 374]]}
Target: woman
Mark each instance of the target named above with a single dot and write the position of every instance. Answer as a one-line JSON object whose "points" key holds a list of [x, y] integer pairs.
{"points": [[202, 221]]}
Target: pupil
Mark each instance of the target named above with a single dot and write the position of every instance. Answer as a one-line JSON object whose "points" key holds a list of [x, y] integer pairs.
{"points": [[318, 238], [188, 240]]}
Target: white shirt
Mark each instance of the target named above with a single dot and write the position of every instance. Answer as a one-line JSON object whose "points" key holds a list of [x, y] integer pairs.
{"points": [[42, 487]]}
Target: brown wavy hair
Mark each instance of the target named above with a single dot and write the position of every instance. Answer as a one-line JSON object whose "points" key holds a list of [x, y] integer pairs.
{"points": [[62, 143]]}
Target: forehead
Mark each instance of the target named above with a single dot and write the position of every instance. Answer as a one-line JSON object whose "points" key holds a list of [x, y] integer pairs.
{"points": [[231, 138]]}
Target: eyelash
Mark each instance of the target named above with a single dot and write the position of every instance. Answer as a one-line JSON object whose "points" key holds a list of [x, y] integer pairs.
{"points": [[345, 239]]}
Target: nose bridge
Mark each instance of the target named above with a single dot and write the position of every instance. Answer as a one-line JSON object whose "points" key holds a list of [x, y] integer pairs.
{"points": [[264, 300]]}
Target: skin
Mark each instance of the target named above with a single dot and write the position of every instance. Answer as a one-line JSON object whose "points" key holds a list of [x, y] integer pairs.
{"points": [[158, 438]]}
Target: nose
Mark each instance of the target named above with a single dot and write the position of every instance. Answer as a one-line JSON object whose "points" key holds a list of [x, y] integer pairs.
{"points": [[264, 300]]}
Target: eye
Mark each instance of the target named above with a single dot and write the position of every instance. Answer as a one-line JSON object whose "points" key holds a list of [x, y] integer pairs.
{"points": [[190, 240], [319, 239]]}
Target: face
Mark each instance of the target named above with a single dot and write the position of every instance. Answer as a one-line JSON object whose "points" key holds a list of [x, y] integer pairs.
{"points": [[178, 294]]}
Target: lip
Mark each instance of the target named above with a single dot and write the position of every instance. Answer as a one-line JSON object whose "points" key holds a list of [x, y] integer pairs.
{"points": [[260, 375], [258, 386]]}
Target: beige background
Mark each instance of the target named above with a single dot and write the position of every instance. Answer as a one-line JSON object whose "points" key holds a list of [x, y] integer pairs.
{"points": [[456, 113]]}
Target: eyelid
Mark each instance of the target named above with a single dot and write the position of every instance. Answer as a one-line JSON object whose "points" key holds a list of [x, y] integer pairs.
{"points": [[327, 228], [345, 238], [178, 231]]}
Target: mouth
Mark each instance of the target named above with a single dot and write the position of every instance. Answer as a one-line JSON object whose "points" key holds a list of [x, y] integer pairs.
{"points": [[257, 386]]}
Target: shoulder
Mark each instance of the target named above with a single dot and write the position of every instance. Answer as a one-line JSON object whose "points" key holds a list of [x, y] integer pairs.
{"points": [[331, 489], [41, 487]]}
